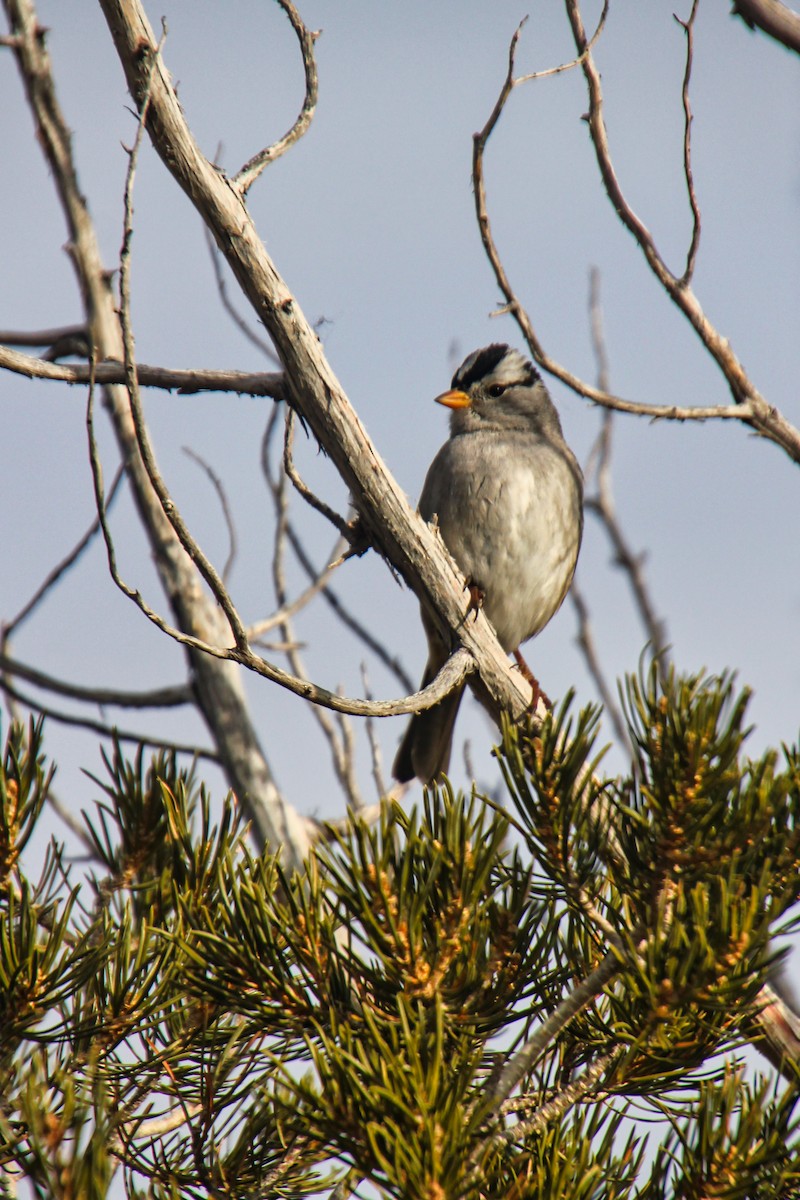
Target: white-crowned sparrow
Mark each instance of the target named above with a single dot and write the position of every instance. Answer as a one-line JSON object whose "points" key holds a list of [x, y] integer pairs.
{"points": [[507, 492]]}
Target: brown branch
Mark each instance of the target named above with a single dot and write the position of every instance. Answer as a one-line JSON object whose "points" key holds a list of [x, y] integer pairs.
{"points": [[773, 18], [694, 244], [409, 545], [244, 383], [104, 729], [217, 686], [253, 168], [758, 414], [59, 570], [167, 697], [222, 496], [230, 307], [750, 407]]}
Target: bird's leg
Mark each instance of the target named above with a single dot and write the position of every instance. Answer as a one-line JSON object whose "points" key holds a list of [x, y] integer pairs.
{"points": [[528, 674], [476, 596]]}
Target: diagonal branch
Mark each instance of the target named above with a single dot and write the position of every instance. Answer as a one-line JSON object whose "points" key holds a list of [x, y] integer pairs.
{"points": [[773, 18], [400, 536], [218, 688]]}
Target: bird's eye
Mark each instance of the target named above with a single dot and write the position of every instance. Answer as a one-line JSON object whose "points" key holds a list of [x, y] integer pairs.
{"points": [[496, 390]]}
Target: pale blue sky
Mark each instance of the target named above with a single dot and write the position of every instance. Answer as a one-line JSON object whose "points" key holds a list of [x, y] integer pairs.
{"points": [[370, 220]]}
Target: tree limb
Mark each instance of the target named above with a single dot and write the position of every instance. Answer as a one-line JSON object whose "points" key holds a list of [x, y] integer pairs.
{"points": [[773, 18], [403, 539]]}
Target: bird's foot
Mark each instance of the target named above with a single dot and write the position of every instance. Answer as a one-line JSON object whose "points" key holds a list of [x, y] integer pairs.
{"points": [[476, 597], [528, 674]]}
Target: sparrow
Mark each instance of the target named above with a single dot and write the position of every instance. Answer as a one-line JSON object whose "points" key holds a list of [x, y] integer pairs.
{"points": [[506, 493]]}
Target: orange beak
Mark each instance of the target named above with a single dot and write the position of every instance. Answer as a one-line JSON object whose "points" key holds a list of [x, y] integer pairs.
{"points": [[454, 399]]}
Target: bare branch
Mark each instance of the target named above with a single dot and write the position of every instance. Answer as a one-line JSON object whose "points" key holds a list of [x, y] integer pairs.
{"points": [[230, 308], [343, 614], [60, 569], [253, 168], [376, 757], [218, 688], [587, 1084], [602, 505], [592, 659], [760, 415], [222, 496], [694, 245], [169, 508], [457, 668], [566, 1011], [779, 1027], [168, 697], [750, 406], [318, 584], [107, 730], [310, 498], [244, 383], [336, 733], [64, 342], [773, 18]]}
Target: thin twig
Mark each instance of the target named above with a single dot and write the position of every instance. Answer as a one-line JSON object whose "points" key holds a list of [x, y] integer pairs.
{"points": [[603, 505], [181, 530], [592, 659], [247, 176], [390, 661], [61, 568], [310, 498], [222, 496], [337, 734], [167, 697], [750, 407], [230, 308], [293, 607], [376, 757], [694, 245], [567, 1097], [106, 730], [763, 417]]}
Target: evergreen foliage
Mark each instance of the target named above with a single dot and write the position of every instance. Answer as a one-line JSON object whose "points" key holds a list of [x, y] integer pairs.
{"points": [[545, 999]]}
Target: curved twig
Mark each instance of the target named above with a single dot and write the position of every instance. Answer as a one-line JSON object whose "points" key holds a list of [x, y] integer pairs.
{"points": [[251, 170], [302, 488], [750, 407], [219, 488], [169, 508]]}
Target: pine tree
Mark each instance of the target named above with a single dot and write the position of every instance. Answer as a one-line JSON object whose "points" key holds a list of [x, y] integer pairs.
{"points": [[546, 996]]}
